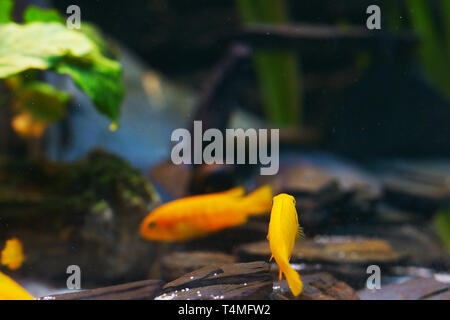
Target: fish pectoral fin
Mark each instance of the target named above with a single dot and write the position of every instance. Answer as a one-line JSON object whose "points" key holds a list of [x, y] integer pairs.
{"points": [[271, 257], [300, 234]]}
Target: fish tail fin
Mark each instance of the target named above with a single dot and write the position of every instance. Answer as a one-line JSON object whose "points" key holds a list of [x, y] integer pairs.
{"points": [[259, 201], [292, 277]]}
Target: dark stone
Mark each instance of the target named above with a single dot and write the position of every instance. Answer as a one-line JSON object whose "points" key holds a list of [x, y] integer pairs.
{"points": [[173, 179], [415, 289], [227, 239], [417, 196], [326, 190], [346, 258], [329, 250], [85, 213]]}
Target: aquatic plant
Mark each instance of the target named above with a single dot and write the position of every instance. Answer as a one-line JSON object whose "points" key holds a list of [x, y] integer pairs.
{"points": [[277, 70], [441, 223], [433, 28], [43, 42], [433, 50]]}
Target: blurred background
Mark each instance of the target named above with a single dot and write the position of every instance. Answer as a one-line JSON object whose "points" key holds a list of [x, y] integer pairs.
{"points": [[363, 115]]}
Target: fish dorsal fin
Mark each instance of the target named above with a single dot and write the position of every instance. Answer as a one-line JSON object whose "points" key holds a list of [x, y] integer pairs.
{"points": [[235, 192]]}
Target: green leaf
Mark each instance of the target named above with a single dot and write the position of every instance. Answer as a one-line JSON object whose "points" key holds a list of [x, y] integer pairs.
{"points": [[35, 14], [38, 46], [43, 101], [96, 36], [432, 50], [52, 46], [101, 81], [6, 7]]}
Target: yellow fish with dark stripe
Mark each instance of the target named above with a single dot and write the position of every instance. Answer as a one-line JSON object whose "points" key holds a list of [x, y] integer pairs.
{"points": [[283, 230], [196, 216]]}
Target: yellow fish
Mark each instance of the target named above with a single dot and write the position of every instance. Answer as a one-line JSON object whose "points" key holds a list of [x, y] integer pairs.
{"points": [[283, 229], [10, 290], [12, 255], [195, 216]]}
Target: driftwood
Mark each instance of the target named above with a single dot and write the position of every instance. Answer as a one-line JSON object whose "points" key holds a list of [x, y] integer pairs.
{"points": [[317, 286], [320, 39], [141, 290], [176, 264], [243, 281]]}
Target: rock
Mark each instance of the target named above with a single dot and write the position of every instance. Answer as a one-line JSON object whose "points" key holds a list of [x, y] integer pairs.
{"points": [[141, 290], [245, 281], [303, 180], [413, 195], [255, 229], [183, 180], [390, 215], [415, 289], [85, 213], [213, 178], [346, 258], [420, 186], [418, 244], [329, 249], [326, 190], [166, 173], [176, 264], [317, 286]]}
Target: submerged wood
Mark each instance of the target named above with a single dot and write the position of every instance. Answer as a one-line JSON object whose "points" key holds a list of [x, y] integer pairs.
{"points": [[317, 286], [321, 38], [176, 264], [140, 290], [243, 281]]}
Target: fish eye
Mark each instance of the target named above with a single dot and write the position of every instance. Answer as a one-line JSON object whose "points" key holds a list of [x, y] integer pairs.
{"points": [[152, 225]]}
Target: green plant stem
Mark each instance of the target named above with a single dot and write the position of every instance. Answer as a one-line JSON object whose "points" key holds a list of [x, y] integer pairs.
{"points": [[432, 51], [445, 10], [277, 70]]}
